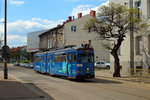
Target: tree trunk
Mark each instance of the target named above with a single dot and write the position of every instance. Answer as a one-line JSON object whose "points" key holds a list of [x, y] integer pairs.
{"points": [[116, 58], [116, 64]]}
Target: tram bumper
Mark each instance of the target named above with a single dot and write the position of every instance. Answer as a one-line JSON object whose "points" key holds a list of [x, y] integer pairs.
{"points": [[85, 76]]}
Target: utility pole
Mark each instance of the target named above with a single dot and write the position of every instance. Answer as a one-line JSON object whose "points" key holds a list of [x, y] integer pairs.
{"points": [[131, 41], [5, 43]]}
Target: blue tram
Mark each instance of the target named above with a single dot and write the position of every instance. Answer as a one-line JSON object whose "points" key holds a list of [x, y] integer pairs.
{"points": [[74, 63]]}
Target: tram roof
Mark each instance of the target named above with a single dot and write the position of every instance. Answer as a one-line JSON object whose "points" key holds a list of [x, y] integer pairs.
{"points": [[62, 50]]}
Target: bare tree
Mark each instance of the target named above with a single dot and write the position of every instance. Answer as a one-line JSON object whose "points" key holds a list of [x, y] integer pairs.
{"points": [[114, 22]]}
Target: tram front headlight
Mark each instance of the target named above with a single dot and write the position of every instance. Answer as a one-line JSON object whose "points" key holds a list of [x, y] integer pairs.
{"points": [[87, 69], [79, 65]]}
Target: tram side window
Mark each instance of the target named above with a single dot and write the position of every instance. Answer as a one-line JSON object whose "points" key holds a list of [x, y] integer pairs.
{"points": [[60, 58], [37, 59], [74, 57], [49, 57], [56, 58], [69, 57], [64, 57]]}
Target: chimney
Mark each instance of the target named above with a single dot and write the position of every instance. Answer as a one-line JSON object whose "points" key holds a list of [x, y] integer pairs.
{"points": [[79, 15], [93, 13], [69, 18], [64, 23], [67, 21]]}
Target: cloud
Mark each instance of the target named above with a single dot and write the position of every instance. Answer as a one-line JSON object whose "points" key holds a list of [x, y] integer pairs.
{"points": [[85, 9], [16, 2], [16, 40], [17, 30]]}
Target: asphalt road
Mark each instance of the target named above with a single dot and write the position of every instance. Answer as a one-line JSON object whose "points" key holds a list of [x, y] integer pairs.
{"points": [[99, 88]]}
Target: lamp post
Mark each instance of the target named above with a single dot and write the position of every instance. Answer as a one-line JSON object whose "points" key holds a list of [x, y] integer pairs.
{"points": [[5, 43], [131, 41]]}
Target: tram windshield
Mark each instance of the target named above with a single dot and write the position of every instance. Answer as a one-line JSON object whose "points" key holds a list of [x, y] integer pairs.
{"points": [[83, 58]]}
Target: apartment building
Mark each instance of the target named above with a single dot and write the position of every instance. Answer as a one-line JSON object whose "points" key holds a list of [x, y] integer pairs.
{"points": [[141, 44], [75, 34], [72, 33], [52, 38]]}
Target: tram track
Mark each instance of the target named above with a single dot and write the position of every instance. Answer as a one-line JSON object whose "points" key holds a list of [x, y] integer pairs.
{"points": [[112, 86]]}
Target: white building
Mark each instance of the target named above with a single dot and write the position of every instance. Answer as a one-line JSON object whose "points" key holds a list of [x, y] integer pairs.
{"points": [[141, 41], [33, 41], [74, 34]]}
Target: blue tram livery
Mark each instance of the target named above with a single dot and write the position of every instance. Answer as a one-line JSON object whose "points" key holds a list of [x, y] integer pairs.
{"points": [[74, 63]]}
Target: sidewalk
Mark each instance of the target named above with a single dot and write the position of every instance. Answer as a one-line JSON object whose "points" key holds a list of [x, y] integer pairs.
{"points": [[107, 74], [11, 89]]}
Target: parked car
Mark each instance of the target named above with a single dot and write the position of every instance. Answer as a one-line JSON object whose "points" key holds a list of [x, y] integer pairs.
{"points": [[22, 64], [31, 65], [102, 64], [27, 65], [16, 64]]}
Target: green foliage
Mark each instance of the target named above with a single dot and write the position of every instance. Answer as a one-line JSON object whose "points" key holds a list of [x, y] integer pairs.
{"points": [[19, 54], [113, 23], [25, 61], [25, 54], [15, 55]]}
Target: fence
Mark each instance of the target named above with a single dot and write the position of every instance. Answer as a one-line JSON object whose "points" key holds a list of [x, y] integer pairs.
{"points": [[140, 74]]}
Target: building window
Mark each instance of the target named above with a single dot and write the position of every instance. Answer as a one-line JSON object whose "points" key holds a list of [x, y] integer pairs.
{"points": [[148, 44], [139, 45], [138, 7], [49, 44], [73, 28], [89, 29]]}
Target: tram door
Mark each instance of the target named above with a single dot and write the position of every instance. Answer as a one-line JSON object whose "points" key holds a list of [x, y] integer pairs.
{"points": [[43, 63], [71, 68]]}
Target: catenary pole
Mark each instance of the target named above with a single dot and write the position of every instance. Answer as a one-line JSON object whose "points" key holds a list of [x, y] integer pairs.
{"points": [[131, 41], [5, 42]]}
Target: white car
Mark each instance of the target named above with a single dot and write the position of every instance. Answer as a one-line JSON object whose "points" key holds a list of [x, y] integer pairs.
{"points": [[102, 64]]}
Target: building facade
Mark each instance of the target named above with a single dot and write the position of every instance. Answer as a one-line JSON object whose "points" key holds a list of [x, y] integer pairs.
{"points": [[53, 38], [75, 34], [141, 41], [33, 41]]}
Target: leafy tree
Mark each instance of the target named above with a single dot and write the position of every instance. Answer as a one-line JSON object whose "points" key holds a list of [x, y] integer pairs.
{"points": [[114, 21], [15, 55], [25, 54]]}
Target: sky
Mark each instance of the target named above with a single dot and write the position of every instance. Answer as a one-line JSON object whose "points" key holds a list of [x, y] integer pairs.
{"points": [[25, 16]]}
